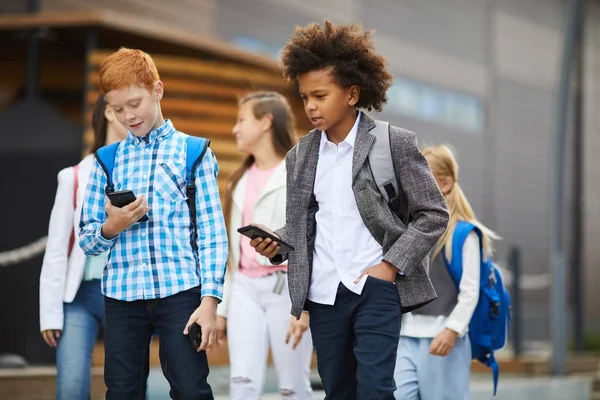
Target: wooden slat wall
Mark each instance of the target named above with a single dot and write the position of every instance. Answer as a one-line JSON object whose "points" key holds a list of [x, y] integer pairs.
{"points": [[201, 99]]}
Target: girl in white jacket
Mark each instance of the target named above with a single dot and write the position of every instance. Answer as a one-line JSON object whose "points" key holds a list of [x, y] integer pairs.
{"points": [[71, 301], [434, 352], [256, 304]]}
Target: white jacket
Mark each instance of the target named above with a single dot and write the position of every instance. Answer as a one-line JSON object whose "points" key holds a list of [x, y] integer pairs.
{"points": [[61, 275], [269, 211]]}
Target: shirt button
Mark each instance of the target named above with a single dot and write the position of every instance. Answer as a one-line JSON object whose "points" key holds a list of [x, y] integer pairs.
{"points": [[144, 265], [143, 234], [145, 176], [147, 148]]}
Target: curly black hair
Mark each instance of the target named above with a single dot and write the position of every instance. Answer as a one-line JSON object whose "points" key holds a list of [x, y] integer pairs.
{"points": [[347, 51]]}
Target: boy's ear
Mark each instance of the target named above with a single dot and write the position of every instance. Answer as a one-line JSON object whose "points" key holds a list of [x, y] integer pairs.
{"points": [[159, 90], [353, 95], [109, 114]]}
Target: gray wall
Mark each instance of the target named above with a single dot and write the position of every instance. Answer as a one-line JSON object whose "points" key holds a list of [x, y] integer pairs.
{"points": [[591, 197]]}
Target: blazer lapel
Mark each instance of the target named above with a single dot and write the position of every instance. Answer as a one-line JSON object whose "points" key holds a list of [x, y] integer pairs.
{"points": [[362, 145]]}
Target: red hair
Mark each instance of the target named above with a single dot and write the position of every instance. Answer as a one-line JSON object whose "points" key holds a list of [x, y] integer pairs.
{"points": [[127, 67]]}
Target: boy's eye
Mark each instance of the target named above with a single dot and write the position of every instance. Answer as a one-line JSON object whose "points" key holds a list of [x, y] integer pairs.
{"points": [[117, 110], [320, 96], [303, 97]]}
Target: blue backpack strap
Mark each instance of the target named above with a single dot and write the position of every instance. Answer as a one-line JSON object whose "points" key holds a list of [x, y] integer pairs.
{"points": [[493, 364], [461, 231], [196, 148], [106, 158]]}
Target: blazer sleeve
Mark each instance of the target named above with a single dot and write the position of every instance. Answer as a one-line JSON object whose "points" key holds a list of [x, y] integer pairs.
{"points": [[426, 205], [54, 268]]}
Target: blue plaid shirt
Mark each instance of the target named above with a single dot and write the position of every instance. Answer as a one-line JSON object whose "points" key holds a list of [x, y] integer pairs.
{"points": [[155, 259]]}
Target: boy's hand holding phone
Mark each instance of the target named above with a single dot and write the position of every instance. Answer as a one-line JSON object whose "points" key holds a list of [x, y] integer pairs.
{"points": [[121, 218], [266, 247]]}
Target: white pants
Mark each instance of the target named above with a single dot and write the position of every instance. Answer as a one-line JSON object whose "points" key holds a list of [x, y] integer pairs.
{"points": [[257, 318], [422, 376]]}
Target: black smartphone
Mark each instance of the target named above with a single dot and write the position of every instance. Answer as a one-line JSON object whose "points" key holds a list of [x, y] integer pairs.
{"points": [[253, 231], [122, 198], [195, 334]]}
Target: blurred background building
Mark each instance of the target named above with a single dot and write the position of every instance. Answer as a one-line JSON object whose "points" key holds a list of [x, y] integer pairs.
{"points": [[480, 75]]}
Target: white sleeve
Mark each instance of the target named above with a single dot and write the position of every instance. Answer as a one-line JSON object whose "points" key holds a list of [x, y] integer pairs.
{"points": [[54, 267], [468, 295]]}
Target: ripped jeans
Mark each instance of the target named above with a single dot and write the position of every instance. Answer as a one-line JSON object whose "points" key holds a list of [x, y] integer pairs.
{"points": [[258, 319]]}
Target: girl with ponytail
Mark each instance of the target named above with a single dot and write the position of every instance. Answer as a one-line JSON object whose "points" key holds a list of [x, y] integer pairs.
{"points": [[434, 352]]}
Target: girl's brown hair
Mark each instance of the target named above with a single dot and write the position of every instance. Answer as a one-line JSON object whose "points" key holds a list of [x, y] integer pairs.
{"points": [[282, 128], [99, 124]]}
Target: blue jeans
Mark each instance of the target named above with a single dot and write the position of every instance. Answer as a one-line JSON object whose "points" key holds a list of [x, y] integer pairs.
{"points": [[422, 376], [356, 340], [128, 329], [75, 347]]}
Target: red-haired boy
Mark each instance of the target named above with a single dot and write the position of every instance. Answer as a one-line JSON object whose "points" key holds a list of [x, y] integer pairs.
{"points": [[157, 278]]}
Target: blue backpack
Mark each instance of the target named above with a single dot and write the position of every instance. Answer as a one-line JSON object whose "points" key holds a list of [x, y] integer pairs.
{"points": [[196, 148], [490, 320]]}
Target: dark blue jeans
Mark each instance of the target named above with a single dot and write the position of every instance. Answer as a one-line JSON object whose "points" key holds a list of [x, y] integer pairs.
{"points": [[129, 326], [356, 341]]}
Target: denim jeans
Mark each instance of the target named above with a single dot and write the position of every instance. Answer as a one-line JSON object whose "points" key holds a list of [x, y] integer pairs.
{"points": [[76, 344], [356, 341], [422, 376], [128, 330]]}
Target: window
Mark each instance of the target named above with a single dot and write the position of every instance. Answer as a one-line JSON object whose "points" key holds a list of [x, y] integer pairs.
{"points": [[256, 46], [436, 105]]}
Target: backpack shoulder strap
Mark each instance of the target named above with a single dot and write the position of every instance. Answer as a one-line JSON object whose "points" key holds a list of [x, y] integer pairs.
{"points": [[380, 160], [461, 231], [106, 158], [196, 148]]}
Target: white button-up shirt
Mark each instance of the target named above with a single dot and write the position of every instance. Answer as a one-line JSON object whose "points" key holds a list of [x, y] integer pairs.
{"points": [[344, 247]]}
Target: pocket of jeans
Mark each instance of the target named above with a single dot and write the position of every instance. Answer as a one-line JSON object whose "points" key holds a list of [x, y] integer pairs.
{"points": [[169, 183], [382, 293]]}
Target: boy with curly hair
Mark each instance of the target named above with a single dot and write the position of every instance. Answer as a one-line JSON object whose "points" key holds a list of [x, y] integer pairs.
{"points": [[356, 264]]}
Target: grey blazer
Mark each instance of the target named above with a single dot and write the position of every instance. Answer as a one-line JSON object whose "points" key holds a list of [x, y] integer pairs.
{"points": [[406, 246]]}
